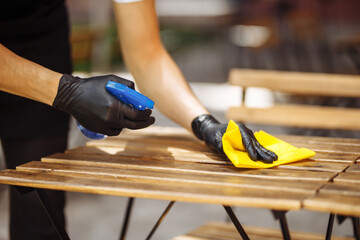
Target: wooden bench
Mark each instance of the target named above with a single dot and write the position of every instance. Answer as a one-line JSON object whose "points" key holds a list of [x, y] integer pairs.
{"points": [[297, 83], [227, 231]]}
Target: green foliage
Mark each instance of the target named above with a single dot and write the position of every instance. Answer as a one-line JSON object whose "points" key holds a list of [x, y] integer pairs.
{"points": [[176, 39]]}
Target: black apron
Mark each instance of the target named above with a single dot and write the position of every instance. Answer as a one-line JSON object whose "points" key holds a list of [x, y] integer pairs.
{"points": [[37, 30]]}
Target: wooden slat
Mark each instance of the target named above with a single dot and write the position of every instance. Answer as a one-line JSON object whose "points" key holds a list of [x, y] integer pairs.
{"points": [[315, 166], [335, 203], [346, 154], [158, 131], [299, 116], [161, 175], [342, 149], [350, 177], [320, 140], [342, 188], [175, 166], [154, 144], [354, 168], [184, 139], [196, 157], [177, 191], [334, 157], [298, 82], [227, 231]]}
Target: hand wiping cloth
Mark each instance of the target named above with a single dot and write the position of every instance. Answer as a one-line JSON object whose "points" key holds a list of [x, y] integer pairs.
{"points": [[235, 151]]}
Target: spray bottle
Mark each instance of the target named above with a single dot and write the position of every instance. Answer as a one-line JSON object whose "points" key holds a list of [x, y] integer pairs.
{"points": [[126, 95]]}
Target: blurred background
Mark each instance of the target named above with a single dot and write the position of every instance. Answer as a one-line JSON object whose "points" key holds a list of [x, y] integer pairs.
{"points": [[207, 38]]}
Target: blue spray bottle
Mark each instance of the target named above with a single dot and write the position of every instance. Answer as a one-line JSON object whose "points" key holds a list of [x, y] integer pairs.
{"points": [[126, 95]]}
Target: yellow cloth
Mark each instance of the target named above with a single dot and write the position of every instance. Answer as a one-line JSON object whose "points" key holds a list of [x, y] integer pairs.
{"points": [[235, 151]]}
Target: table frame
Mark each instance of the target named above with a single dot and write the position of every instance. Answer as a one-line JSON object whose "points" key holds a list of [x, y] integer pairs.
{"points": [[278, 215]]}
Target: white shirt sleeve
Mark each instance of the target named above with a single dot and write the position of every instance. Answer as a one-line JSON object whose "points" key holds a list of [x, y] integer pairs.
{"points": [[127, 1]]}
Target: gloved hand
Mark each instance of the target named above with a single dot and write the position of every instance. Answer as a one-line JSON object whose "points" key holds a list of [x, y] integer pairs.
{"points": [[208, 129], [95, 108]]}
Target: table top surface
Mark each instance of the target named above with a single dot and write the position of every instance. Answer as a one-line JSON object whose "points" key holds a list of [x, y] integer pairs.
{"points": [[170, 164]]}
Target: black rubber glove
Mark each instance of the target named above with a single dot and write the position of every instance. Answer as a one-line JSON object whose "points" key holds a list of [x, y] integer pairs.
{"points": [[208, 129], [95, 108]]}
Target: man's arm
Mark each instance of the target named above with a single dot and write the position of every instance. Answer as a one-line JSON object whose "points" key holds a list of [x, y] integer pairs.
{"points": [[27, 79], [156, 74], [85, 99]]}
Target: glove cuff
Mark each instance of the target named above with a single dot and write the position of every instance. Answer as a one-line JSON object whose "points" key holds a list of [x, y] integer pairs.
{"points": [[201, 123], [67, 85]]}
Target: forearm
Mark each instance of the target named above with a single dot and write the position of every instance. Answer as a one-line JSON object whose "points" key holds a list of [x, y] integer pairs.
{"points": [[161, 80], [156, 74], [27, 79]]}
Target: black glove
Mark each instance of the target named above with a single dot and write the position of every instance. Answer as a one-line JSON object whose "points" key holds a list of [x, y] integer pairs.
{"points": [[95, 108], [208, 129]]}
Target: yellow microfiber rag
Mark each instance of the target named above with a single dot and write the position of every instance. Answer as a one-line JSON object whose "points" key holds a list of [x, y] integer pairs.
{"points": [[235, 151]]}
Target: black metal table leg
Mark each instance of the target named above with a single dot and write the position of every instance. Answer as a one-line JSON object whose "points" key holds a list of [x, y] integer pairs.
{"points": [[163, 215], [330, 227], [127, 218], [283, 223], [355, 223], [45, 201], [356, 227], [236, 222]]}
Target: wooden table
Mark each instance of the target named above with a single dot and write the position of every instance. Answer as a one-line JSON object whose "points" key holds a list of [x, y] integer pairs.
{"points": [[170, 164]]}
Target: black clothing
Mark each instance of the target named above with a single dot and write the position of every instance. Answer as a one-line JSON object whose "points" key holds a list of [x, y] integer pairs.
{"points": [[38, 31], [28, 220], [41, 36]]}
